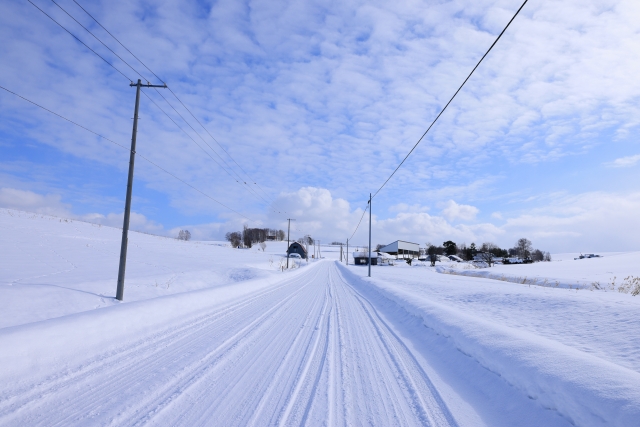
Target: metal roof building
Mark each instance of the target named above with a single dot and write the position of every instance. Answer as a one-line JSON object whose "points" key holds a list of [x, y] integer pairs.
{"points": [[402, 249]]}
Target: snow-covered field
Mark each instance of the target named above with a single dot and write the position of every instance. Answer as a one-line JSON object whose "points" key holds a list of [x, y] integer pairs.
{"points": [[609, 272], [210, 335]]}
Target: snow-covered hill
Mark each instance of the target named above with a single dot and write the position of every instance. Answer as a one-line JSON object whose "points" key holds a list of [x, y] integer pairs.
{"points": [[210, 335]]}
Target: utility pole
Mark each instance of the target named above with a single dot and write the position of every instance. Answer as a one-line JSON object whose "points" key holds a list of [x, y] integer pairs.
{"points": [[347, 257], [127, 204], [319, 254], [369, 234], [288, 230]]}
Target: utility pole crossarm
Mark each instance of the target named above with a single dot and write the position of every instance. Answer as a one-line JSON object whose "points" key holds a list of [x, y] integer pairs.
{"points": [[132, 84]]}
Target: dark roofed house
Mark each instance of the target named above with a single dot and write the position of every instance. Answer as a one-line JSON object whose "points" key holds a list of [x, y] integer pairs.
{"points": [[297, 248]]}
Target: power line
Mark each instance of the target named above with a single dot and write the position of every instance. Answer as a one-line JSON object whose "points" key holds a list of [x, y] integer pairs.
{"points": [[239, 180], [199, 146], [96, 37], [216, 141], [203, 140], [75, 37], [359, 222], [122, 146], [114, 37], [138, 73], [454, 95], [179, 100]]}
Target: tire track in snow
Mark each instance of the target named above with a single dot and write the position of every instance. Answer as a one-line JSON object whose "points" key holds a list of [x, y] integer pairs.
{"points": [[267, 382], [303, 378], [426, 400], [125, 363], [310, 350]]}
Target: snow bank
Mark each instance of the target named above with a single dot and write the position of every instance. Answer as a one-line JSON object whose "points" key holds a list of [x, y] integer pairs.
{"points": [[610, 272], [29, 350], [512, 278], [585, 389]]}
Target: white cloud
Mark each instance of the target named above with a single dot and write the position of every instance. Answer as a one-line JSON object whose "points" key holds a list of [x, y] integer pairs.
{"points": [[624, 162], [319, 214], [49, 204], [453, 211], [594, 221], [137, 222], [330, 95], [404, 207], [422, 227]]}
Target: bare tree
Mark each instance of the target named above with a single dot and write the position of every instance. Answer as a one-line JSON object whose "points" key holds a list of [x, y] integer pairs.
{"points": [[184, 235], [488, 252], [234, 238], [524, 247], [537, 255], [433, 252]]}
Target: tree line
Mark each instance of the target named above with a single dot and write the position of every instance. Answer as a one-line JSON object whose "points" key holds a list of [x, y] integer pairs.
{"points": [[250, 236], [489, 251]]}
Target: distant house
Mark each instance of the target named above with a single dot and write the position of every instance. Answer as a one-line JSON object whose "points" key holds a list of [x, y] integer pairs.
{"points": [[402, 249], [362, 258], [297, 248]]}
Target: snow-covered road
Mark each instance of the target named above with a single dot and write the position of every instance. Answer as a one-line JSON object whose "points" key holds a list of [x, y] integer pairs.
{"points": [[211, 335], [309, 350]]}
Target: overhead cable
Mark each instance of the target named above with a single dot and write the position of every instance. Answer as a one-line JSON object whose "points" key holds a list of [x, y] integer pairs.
{"points": [[101, 42], [359, 222], [454, 95], [129, 150], [238, 180], [199, 146], [179, 100], [75, 37], [114, 37]]}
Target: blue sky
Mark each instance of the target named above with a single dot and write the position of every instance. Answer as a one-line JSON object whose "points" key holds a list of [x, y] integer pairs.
{"points": [[318, 102]]}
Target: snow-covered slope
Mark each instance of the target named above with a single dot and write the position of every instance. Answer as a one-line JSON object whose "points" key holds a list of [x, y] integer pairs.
{"points": [[52, 266], [210, 335]]}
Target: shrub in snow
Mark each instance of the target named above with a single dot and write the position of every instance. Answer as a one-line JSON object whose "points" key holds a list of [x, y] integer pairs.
{"points": [[631, 285], [184, 235]]}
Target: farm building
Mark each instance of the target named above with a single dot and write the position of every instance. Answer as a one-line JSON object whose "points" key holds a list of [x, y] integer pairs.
{"points": [[402, 249], [362, 258], [297, 248]]}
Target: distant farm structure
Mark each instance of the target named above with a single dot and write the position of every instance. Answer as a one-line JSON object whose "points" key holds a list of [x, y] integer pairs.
{"points": [[402, 249]]}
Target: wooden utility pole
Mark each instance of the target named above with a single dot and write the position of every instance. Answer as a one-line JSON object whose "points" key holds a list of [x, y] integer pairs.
{"points": [[369, 234], [347, 257], [127, 204], [288, 244]]}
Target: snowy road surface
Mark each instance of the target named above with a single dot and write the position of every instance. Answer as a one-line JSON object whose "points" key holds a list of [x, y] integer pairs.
{"points": [[307, 351]]}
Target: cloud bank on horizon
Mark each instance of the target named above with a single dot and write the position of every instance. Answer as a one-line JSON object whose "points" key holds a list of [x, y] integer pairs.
{"points": [[318, 102]]}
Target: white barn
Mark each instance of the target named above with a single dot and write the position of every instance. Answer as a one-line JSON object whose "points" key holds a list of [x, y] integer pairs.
{"points": [[402, 249]]}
